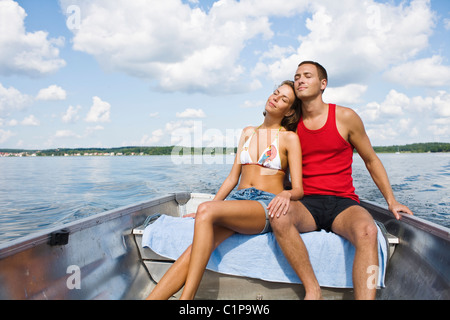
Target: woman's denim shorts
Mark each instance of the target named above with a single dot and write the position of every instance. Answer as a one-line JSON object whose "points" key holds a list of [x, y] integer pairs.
{"points": [[264, 198]]}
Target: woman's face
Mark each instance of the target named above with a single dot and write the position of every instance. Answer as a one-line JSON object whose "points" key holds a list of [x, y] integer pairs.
{"points": [[281, 100]]}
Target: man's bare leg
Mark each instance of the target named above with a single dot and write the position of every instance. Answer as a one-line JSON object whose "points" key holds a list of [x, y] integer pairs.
{"points": [[286, 229], [357, 225]]}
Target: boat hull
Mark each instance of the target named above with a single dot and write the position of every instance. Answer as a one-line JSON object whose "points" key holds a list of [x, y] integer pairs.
{"points": [[102, 260]]}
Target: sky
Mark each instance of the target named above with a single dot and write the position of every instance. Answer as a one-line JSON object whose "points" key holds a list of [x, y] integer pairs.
{"points": [[101, 73]]}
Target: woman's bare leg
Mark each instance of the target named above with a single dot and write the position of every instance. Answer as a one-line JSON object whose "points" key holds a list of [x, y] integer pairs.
{"points": [[173, 280], [221, 218]]}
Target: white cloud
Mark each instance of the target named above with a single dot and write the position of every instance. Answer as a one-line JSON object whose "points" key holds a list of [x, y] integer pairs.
{"points": [[30, 121], [173, 133], [192, 50], [65, 134], [442, 103], [91, 130], [275, 52], [383, 134], [29, 53], [61, 134], [400, 117], [253, 104], [393, 105], [156, 137], [182, 48], [174, 125], [349, 94], [190, 133], [13, 123], [427, 72], [52, 93], [191, 113], [71, 114], [442, 121], [439, 130], [353, 44], [404, 124], [99, 112], [447, 24], [12, 99], [5, 135]]}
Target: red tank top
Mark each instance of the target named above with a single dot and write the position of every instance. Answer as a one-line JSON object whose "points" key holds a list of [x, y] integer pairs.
{"points": [[327, 160]]}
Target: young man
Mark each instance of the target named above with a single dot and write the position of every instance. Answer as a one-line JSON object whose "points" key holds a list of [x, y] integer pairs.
{"points": [[328, 134]]}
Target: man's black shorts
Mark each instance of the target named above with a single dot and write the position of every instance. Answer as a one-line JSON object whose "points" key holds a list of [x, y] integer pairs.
{"points": [[325, 209]]}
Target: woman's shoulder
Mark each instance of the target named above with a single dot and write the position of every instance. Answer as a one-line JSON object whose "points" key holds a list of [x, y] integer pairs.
{"points": [[289, 138], [247, 131], [249, 128], [286, 134]]}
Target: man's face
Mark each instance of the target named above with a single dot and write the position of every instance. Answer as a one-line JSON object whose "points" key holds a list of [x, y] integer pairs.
{"points": [[307, 82]]}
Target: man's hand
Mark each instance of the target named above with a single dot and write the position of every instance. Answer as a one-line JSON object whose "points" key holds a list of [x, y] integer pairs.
{"points": [[396, 208]]}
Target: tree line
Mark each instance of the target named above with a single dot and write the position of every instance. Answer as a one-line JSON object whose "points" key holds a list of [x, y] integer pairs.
{"points": [[169, 150], [415, 148], [124, 151]]}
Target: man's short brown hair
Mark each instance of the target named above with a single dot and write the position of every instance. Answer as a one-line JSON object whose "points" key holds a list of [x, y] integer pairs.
{"points": [[320, 69]]}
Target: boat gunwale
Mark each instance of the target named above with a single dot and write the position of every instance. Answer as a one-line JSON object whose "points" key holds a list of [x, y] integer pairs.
{"points": [[20, 244], [414, 221], [124, 219]]}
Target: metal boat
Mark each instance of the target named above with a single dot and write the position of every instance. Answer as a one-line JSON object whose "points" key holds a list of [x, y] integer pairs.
{"points": [[101, 257]]}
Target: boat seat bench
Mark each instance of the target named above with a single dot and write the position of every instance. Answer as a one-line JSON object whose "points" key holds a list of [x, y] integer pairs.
{"points": [[157, 265]]}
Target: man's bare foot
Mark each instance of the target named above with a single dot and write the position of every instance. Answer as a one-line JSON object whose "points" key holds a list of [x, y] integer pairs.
{"points": [[314, 295]]}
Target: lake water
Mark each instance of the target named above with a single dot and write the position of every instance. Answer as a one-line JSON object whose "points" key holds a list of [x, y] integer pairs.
{"points": [[40, 192]]}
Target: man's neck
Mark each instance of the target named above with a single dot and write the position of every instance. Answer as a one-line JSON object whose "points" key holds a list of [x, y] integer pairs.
{"points": [[313, 108]]}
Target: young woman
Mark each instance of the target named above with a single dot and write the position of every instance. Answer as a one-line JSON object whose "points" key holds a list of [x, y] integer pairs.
{"points": [[263, 156]]}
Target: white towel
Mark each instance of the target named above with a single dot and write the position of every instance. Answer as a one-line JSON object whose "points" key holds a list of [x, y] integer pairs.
{"points": [[260, 257]]}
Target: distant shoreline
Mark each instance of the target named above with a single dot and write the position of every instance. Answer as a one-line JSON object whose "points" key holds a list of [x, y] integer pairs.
{"points": [[431, 147]]}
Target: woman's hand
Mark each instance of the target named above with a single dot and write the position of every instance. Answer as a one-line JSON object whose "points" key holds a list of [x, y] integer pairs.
{"points": [[190, 215], [280, 204]]}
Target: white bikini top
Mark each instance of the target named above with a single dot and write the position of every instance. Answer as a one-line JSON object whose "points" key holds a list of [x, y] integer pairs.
{"points": [[270, 158]]}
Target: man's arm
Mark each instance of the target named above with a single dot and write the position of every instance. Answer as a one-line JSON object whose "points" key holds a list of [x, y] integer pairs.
{"points": [[357, 136]]}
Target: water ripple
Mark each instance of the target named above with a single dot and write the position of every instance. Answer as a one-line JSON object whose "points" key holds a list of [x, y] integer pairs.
{"points": [[37, 193]]}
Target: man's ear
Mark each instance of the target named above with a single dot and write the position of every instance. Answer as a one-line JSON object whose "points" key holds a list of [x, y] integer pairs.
{"points": [[323, 84]]}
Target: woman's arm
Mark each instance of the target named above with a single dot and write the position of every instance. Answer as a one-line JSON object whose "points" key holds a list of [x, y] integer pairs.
{"points": [[233, 178], [229, 183], [280, 204], [294, 151]]}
